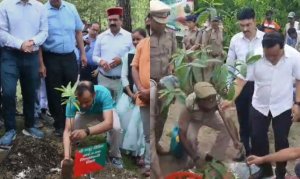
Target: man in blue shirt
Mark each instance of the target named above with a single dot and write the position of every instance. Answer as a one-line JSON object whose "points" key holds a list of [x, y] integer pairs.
{"points": [[110, 47], [96, 105], [65, 29], [90, 72], [23, 28]]}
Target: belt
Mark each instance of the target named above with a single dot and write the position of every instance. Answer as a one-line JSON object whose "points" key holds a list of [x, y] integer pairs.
{"points": [[110, 77], [59, 54], [15, 50]]}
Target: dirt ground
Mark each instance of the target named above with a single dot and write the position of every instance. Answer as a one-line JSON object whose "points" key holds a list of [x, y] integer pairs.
{"points": [[206, 139], [40, 159]]}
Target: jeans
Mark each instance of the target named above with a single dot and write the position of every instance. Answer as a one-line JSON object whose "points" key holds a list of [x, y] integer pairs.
{"points": [[24, 66]]}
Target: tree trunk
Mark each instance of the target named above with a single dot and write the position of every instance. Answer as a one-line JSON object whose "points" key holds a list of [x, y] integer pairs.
{"points": [[127, 14]]}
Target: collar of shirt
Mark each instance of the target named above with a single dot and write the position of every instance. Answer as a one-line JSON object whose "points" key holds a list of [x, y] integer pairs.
{"points": [[24, 2], [108, 32], [285, 56], [258, 35], [152, 33], [49, 6]]}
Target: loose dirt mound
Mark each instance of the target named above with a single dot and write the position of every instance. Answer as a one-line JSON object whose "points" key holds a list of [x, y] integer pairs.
{"points": [[31, 158]]}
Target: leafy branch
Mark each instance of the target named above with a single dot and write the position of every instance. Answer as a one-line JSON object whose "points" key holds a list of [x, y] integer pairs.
{"points": [[68, 94]]}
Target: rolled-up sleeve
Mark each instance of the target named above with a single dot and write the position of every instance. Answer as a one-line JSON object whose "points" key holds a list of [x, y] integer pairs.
{"points": [[5, 37], [40, 38]]}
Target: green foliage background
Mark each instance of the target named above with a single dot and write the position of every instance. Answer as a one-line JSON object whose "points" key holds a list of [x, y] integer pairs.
{"points": [[95, 10]]}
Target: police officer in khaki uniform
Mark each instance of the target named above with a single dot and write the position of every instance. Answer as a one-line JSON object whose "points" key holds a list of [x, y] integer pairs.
{"points": [[192, 36], [162, 46], [212, 39], [201, 110]]}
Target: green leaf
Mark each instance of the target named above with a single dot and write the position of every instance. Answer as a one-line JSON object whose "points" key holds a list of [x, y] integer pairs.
{"points": [[59, 89], [182, 66], [231, 92], [214, 60], [243, 70], [164, 94], [217, 4], [253, 59], [76, 105], [197, 65], [168, 101]]}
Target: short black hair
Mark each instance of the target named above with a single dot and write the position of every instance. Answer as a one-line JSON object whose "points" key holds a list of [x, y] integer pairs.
{"points": [[291, 31], [84, 86], [269, 12], [271, 39], [140, 31], [246, 13]]}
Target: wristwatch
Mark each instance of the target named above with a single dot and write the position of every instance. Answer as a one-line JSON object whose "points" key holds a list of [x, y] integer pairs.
{"points": [[297, 103], [87, 131]]}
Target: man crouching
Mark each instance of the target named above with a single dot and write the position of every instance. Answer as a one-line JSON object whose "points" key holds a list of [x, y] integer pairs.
{"points": [[201, 110], [96, 105]]}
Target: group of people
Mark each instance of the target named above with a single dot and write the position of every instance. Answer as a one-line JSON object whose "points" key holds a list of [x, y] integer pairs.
{"points": [[118, 78], [263, 96], [43, 47]]}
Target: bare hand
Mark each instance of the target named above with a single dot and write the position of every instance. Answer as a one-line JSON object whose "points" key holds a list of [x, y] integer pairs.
{"points": [[42, 71], [116, 62], [95, 73], [83, 61], [296, 113], [78, 135], [145, 95], [105, 65], [27, 46], [61, 163], [255, 160], [225, 104], [134, 96]]}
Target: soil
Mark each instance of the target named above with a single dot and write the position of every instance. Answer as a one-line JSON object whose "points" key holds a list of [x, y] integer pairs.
{"points": [[31, 158]]}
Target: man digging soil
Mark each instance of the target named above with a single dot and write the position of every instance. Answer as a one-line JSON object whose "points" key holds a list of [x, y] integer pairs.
{"points": [[201, 110]]}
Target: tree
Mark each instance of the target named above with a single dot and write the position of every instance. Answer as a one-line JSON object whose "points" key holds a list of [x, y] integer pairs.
{"points": [[127, 14]]}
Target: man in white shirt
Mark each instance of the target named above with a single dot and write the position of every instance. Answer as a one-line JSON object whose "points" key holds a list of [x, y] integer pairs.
{"points": [[272, 100], [241, 44], [110, 47]]}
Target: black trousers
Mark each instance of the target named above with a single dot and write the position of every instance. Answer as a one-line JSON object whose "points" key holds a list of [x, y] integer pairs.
{"points": [[243, 105], [61, 69], [86, 74], [260, 144]]}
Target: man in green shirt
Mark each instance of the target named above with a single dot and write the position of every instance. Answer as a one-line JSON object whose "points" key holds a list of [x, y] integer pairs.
{"points": [[95, 105]]}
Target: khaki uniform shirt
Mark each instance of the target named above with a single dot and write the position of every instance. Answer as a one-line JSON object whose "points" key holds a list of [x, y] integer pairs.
{"points": [[191, 38], [214, 39], [161, 50]]}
